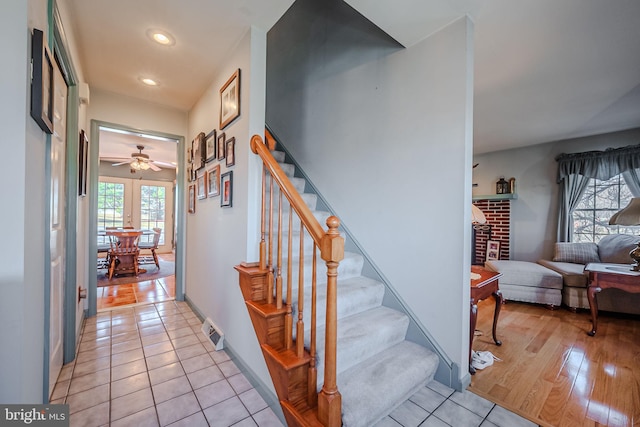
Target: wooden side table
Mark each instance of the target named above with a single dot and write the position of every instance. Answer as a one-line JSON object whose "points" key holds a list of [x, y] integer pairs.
{"points": [[609, 276], [482, 288]]}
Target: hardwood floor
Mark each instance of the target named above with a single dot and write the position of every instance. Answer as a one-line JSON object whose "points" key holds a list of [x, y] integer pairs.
{"points": [[138, 292], [553, 373]]}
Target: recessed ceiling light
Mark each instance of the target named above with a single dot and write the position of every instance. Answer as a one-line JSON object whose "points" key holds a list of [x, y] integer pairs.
{"points": [[161, 37], [148, 81]]}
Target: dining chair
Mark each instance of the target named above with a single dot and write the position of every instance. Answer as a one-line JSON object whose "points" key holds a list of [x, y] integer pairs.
{"points": [[153, 245], [104, 247], [124, 249]]}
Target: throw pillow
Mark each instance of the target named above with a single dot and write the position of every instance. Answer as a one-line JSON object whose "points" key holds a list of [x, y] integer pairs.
{"points": [[577, 253]]}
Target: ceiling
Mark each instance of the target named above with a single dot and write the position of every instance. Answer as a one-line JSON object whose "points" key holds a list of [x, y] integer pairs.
{"points": [[544, 70]]}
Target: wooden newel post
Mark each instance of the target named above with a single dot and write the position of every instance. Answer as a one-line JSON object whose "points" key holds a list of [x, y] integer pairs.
{"points": [[329, 399]]}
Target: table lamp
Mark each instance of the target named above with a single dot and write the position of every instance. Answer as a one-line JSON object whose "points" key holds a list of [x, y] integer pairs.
{"points": [[477, 217], [629, 215]]}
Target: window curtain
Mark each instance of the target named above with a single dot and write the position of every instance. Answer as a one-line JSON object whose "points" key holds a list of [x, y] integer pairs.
{"points": [[632, 179], [575, 170]]}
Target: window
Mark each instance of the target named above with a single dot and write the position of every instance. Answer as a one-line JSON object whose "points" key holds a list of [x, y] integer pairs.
{"points": [[110, 207], [152, 208], [600, 201]]}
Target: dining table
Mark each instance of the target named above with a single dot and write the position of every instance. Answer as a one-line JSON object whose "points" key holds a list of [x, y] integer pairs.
{"points": [[124, 246]]}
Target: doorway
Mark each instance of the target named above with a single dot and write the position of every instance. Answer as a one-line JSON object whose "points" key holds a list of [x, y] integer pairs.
{"points": [[141, 204], [137, 185], [145, 205]]}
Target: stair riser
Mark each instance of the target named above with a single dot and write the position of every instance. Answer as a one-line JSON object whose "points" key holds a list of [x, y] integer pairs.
{"points": [[350, 302], [319, 215], [298, 183], [348, 268], [309, 199], [307, 246]]}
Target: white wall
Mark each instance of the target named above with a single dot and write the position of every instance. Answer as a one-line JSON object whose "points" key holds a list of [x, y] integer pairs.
{"points": [[220, 238], [135, 113], [23, 147], [385, 135], [535, 213]]}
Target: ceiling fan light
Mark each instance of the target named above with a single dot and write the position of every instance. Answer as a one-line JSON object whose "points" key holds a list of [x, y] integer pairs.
{"points": [[139, 165]]}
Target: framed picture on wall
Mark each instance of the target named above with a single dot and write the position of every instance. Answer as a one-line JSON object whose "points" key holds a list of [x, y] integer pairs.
{"points": [[41, 82], [211, 147], [230, 151], [83, 163], [226, 185], [213, 181], [230, 100], [199, 151], [189, 172], [221, 146], [202, 187], [192, 198]]}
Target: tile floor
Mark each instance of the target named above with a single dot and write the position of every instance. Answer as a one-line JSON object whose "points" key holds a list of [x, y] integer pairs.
{"points": [[150, 365]]}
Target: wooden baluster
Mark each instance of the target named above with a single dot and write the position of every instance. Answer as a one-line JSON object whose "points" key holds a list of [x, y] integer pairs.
{"points": [[288, 320], [263, 213], [313, 371], [300, 324], [279, 262], [330, 400], [270, 275]]}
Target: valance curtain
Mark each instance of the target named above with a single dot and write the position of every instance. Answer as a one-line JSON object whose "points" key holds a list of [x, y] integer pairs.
{"points": [[575, 170]]}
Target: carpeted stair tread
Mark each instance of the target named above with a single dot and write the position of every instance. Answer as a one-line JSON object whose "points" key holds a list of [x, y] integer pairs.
{"points": [[362, 336], [374, 388], [350, 266], [355, 295]]}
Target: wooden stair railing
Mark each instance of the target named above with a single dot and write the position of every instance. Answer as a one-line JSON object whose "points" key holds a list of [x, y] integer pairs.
{"points": [[292, 366]]}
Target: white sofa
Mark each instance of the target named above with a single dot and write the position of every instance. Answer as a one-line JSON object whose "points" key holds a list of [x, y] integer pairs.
{"points": [[528, 282]]}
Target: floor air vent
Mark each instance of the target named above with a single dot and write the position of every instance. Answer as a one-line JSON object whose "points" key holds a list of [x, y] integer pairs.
{"points": [[211, 331]]}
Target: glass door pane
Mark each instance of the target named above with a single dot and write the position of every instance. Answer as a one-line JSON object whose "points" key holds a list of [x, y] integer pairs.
{"points": [[112, 205], [155, 200]]}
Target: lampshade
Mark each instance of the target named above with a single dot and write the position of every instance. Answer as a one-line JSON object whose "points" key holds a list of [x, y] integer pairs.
{"points": [[629, 215], [477, 217]]}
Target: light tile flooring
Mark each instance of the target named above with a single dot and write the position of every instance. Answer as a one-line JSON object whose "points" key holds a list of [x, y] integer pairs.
{"points": [[150, 365]]}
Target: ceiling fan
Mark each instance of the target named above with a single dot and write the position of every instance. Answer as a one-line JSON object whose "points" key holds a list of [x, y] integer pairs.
{"points": [[140, 161]]}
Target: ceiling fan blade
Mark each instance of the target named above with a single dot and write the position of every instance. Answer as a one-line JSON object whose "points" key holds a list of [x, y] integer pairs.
{"points": [[121, 163], [115, 159], [164, 164], [153, 167]]}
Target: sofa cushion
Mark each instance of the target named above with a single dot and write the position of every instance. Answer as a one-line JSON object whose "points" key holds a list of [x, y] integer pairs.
{"points": [[572, 274], [579, 253], [524, 273], [615, 248]]}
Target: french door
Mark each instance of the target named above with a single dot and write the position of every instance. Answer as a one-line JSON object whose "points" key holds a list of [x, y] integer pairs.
{"points": [[139, 204]]}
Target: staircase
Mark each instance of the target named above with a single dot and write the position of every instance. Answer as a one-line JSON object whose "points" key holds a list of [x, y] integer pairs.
{"points": [[352, 374]]}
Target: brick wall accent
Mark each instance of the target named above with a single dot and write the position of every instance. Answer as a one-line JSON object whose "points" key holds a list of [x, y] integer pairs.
{"points": [[498, 214]]}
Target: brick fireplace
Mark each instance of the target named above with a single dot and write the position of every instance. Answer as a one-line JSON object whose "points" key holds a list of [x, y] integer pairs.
{"points": [[497, 228]]}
